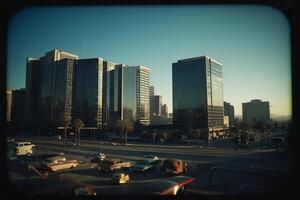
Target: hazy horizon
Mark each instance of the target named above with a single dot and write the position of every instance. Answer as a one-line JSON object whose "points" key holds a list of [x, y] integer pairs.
{"points": [[251, 42]]}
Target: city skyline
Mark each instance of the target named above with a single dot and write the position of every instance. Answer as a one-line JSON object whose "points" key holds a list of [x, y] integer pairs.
{"points": [[240, 37]]}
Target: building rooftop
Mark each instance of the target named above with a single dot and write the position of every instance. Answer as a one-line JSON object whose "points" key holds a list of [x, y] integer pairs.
{"points": [[198, 58]]}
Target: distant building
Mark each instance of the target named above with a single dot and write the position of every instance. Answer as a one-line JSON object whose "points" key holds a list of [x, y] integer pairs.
{"points": [[256, 111], [198, 95], [229, 111], [156, 105], [164, 110], [151, 88], [226, 121], [8, 105], [18, 107]]}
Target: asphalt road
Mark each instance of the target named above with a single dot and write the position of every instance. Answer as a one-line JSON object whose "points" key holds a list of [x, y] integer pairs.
{"points": [[200, 161]]}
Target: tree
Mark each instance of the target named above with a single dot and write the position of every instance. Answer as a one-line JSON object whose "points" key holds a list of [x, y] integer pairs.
{"points": [[78, 124], [65, 121], [124, 126], [262, 127]]}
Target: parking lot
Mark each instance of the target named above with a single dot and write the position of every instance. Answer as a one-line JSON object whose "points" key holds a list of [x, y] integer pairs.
{"points": [[200, 161]]}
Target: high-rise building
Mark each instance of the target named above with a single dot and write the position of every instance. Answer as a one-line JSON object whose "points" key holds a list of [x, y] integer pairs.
{"points": [[164, 110], [33, 87], [198, 94], [87, 91], [128, 94], [41, 75], [47, 81], [62, 89], [8, 105], [151, 90], [96, 91], [156, 104], [256, 111], [18, 107], [229, 111]]}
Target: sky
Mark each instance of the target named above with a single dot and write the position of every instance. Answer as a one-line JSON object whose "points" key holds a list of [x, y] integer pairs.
{"points": [[252, 42]]}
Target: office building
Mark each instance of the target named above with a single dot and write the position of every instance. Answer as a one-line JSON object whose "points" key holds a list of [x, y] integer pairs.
{"points": [[226, 121], [128, 94], [164, 110], [8, 105], [87, 91], [33, 75], [62, 89], [18, 107], [41, 78], [256, 111], [229, 111], [156, 104], [151, 90], [198, 95]]}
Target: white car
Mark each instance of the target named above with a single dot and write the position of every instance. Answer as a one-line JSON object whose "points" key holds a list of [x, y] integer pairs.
{"points": [[22, 148], [151, 157]]}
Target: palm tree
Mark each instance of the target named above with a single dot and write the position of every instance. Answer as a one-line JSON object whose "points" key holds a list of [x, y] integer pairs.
{"points": [[78, 124], [124, 126], [65, 121]]}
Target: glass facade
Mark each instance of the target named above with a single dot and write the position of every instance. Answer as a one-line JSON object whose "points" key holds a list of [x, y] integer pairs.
{"points": [[33, 73], [87, 91], [128, 94], [129, 106], [198, 93], [143, 93], [62, 102]]}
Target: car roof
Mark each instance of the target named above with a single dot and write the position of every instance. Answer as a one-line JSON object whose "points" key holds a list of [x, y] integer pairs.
{"points": [[112, 159]]}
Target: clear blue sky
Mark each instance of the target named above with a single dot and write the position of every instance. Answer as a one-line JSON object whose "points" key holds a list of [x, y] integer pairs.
{"points": [[252, 43]]}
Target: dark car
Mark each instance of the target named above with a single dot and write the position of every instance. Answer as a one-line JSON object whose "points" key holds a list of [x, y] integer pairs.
{"points": [[173, 166]]}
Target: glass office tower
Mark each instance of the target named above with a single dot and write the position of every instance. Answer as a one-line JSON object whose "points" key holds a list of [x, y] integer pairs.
{"points": [[62, 96], [198, 94], [128, 94], [40, 84], [87, 91], [143, 100]]}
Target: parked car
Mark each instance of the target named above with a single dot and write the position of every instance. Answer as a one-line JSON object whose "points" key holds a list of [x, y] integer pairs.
{"points": [[143, 165], [173, 166], [113, 164], [120, 178], [54, 186], [151, 157], [21, 148], [94, 155], [57, 163]]}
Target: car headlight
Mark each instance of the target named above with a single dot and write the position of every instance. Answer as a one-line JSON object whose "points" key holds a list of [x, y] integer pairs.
{"points": [[176, 187]]}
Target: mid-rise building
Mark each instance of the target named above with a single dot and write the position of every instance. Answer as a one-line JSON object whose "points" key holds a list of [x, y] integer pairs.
{"points": [[229, 111], [164, 110], [8, 105], [256, 111], [198, 95]]}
